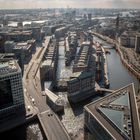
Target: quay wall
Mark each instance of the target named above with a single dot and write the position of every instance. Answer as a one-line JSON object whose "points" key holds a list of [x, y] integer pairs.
{"points": [[124, 62]]}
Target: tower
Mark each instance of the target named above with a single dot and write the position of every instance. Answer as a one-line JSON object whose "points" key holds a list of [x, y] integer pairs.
{"points": [[89, 16], [137, 43], [117, 26]]}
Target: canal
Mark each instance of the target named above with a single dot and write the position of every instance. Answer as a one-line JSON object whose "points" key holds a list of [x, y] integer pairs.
{"points": [[119, 76], [62, 71], [73, 117]]}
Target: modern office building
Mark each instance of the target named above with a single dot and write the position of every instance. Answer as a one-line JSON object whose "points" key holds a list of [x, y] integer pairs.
{"points": [[113, 117], [11, 90]]}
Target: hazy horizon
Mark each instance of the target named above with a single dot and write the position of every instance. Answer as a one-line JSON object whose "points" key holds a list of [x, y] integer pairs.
{"points": [[33, 4]]}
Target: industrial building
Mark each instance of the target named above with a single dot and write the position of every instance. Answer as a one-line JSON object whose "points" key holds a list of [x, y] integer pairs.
{"points": [[71, 44], [17, 36], [54, 101], [22, 50], [49, 64], [81, 61], [60, 32], [82, 83], [127, 39], [81, 86], [99, 60]]}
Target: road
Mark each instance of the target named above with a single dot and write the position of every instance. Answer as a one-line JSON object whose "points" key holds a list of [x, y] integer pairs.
{"points": [[51, 125]]}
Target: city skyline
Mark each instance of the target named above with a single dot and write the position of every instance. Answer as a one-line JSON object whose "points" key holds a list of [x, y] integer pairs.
{"points": [[28, 4]]}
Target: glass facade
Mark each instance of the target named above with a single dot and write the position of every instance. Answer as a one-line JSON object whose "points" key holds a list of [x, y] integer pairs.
{"points": [[94, 130], [6, 98]]}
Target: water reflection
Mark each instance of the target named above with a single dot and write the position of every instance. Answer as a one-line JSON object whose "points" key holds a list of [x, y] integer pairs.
{"points": [[119, 76]]}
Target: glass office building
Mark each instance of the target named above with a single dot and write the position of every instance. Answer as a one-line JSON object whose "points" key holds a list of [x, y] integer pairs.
{"points": [[113, 117], [11, 90]]}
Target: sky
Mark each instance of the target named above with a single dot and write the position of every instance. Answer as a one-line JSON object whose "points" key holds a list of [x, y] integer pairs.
{"points": [[18, 4]]}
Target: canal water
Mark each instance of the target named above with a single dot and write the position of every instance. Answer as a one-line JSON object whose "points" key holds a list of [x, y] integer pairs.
{"points": [[119, 76], [62, 71], [73, 117]]}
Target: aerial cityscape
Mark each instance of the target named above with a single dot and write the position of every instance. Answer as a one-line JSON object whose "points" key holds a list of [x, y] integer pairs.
{"points": [[69, 70]]}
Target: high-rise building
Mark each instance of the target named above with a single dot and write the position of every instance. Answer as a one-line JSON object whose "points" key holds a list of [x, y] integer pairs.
{"points": [[113, 117], [117, 26], [20, 24], [117, 22], [89, 16], [85, 17], [5, 22], [2, 40], [11, 90], [137, 43]]}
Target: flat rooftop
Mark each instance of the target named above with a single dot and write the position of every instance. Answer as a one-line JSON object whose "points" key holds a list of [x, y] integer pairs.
{"points": [[24, 45], [8, 67], [47, 62], [86, 43], [118, 113]]}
